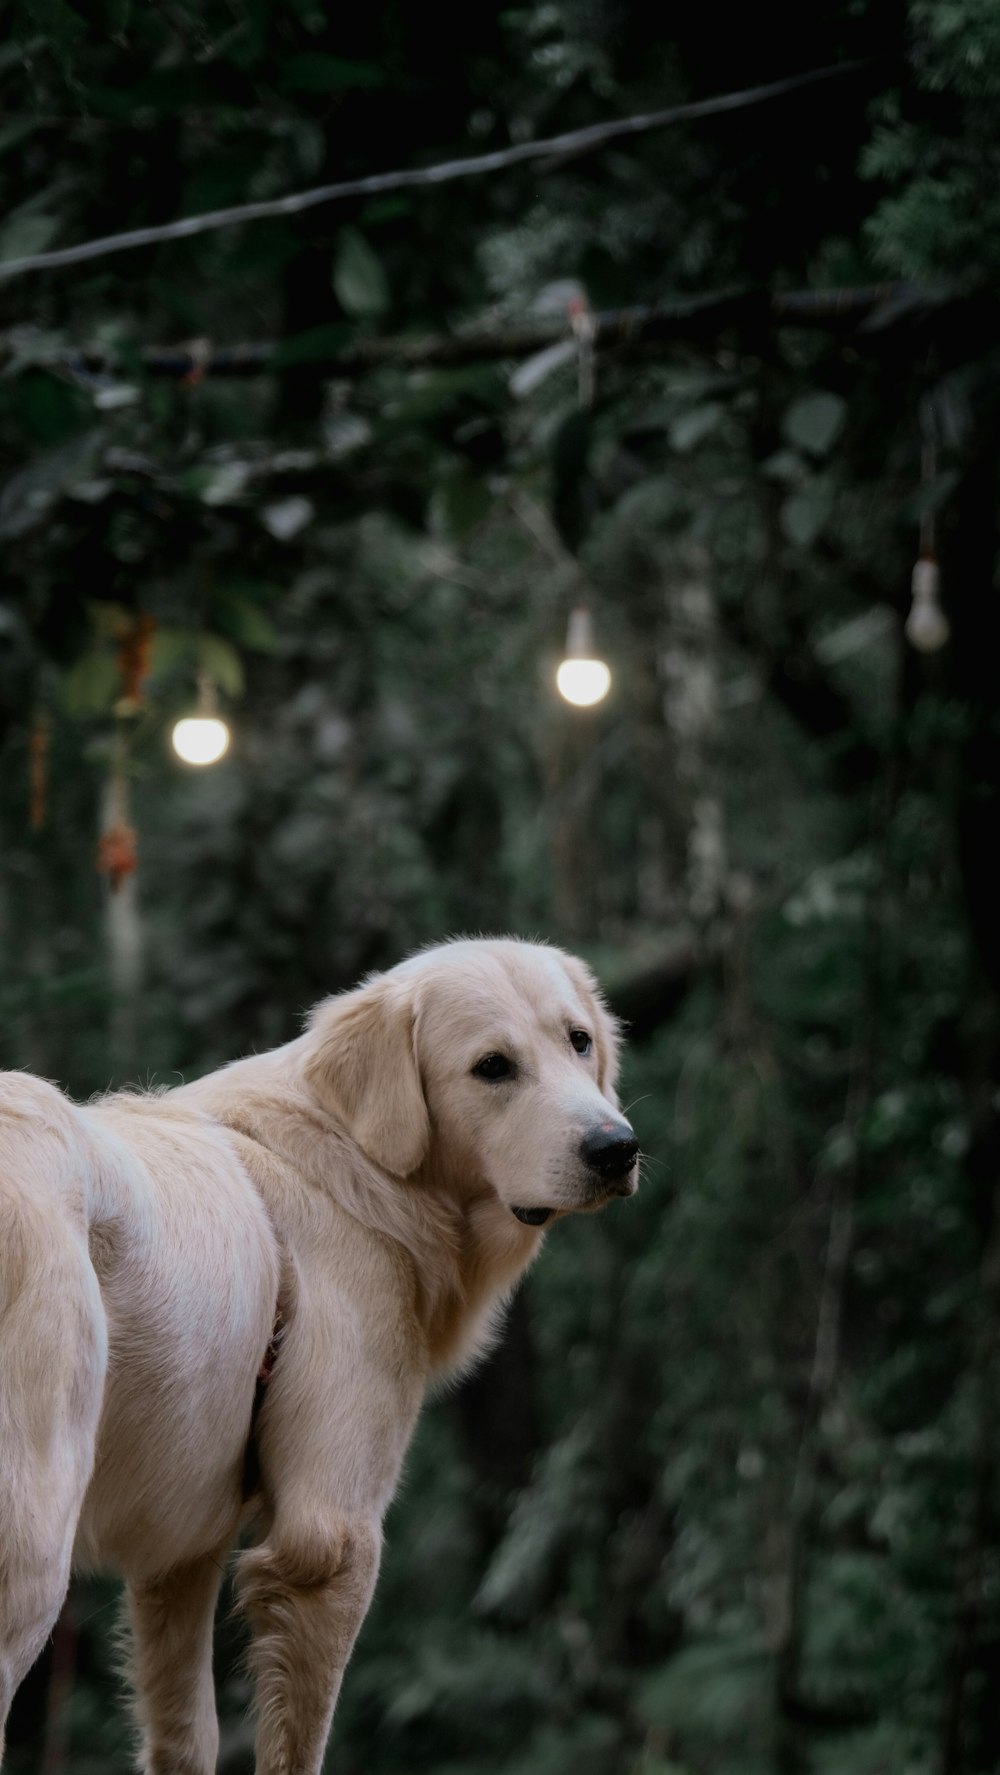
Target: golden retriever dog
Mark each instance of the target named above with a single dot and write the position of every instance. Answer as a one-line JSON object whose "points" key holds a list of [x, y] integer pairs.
{"points": [[372, 1191]]}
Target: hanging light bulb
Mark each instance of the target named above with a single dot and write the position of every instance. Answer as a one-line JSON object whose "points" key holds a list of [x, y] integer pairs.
{"points": [[582, 678], [201, 738], [926, 628]]}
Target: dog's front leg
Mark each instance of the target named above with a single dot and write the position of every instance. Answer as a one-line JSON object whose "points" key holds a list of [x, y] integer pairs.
{"points": [[336, 1419], [171, 1667], [306, 1592]]}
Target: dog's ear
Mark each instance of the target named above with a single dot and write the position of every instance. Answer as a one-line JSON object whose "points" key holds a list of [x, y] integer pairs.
{"points": [[607, 1029], [362, 1063]]}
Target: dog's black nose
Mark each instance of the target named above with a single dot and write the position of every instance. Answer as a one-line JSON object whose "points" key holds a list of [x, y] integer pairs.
{"points": [[610, 1149]]}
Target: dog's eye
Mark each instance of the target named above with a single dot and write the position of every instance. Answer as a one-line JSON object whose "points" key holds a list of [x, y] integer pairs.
{"points": [[581, 1041], [493, 1067]]}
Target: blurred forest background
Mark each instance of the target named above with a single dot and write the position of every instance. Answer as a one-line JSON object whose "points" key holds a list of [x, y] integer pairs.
{"points": [[726, 1501]]}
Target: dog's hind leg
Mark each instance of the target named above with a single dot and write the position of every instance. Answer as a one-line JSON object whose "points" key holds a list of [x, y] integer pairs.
{"points": [[171, 1667], [53, 1354]]}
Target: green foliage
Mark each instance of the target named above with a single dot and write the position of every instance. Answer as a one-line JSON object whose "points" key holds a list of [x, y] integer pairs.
{"points": [[940, 214], [712, 1694]]}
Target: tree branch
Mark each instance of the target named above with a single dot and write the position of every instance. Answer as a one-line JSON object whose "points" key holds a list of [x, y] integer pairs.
{"points": [[574, 141], [679, 320]]}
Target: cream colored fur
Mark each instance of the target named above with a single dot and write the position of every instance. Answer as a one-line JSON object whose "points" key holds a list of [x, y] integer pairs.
{"points": [[365, 1176]]}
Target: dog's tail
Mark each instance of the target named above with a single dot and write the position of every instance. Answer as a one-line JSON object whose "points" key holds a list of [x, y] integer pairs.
{"points": [[53, 1355]]}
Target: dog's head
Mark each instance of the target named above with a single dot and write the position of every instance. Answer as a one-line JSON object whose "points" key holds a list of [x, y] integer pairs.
{"points": [[496, 1060]]}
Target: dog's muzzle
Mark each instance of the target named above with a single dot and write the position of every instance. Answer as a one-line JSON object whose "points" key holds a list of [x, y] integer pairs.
{"points": [[609, 1151]]}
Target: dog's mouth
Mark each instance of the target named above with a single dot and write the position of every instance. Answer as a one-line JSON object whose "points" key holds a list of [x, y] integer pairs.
{"points": [[621, 1186]]}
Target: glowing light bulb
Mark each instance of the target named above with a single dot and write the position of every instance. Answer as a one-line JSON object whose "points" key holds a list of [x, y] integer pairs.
{"points": [[201, 738], [583, 681], [582, 678], [926, 628]]}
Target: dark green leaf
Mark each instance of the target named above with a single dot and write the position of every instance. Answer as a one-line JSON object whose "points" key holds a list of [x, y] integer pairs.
{"points": [[815, 421], [25, 234], [464, 503], [689, 429], [222, 663], [359, 279], [92, 685], [244, 621], [313, 346], [805, 512], [313, 72]]}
